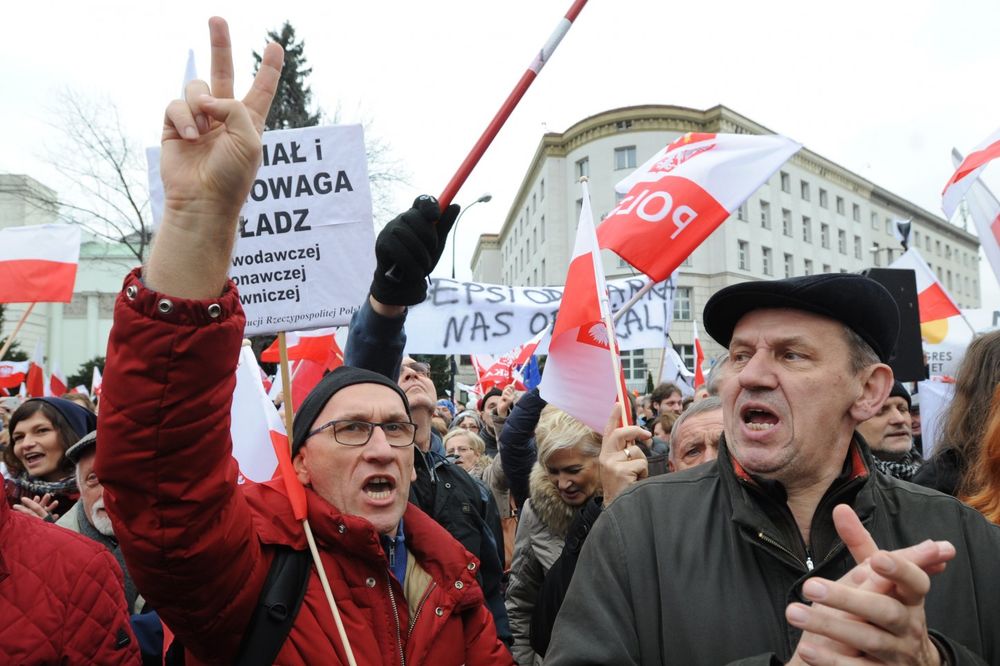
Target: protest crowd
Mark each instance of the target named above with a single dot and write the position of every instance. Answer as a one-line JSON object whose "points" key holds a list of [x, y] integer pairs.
{"points": [[783, 513]]}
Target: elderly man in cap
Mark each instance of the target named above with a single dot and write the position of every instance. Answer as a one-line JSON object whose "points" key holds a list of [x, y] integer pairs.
{"points": [[201, 547], [772, 554], [889, 435]]}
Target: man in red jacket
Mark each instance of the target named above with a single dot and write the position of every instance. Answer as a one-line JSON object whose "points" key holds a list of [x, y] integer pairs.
{"points": [[198, 545]]}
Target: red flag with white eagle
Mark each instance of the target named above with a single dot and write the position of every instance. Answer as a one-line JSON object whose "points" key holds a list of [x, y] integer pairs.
{"points": [[579, 375], [684, 192], [249, 425], [968, 171], [13, 373], [933, 301], [504, 370], [985, 211], [38, 263]]}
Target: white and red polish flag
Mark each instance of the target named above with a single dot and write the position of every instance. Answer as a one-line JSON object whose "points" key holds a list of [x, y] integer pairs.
{"points": [[34, 382], [933, 301], [12, 373], [579, 375], [985, 211], [699, 359], [315, 345], [250, 427], [95, 384], [38, 263], [57, 381], [968, 171], [503, 371], [684, 192]]}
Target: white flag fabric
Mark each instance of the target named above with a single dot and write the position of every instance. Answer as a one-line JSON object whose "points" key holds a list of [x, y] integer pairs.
{"points": [[934, 302], [251, 425], [38, 263], [968, 171], [579, 375], [985, 211], [934, 400], [674, 371]]}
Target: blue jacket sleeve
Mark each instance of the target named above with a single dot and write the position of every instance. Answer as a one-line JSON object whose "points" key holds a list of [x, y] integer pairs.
{"points": [[517, 444], [375, 342]]}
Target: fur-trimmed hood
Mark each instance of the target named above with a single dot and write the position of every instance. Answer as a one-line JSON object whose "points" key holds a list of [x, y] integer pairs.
{"points": [[548, 504]]}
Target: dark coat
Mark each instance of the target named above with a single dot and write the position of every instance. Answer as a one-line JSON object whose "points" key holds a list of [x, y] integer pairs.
{"points": [[697, 567], [517, 444], [943, 472]]}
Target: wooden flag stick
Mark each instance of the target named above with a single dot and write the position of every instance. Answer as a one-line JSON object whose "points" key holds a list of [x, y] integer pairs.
{"points": [[286, 391], [627, 305], [20, 323]]}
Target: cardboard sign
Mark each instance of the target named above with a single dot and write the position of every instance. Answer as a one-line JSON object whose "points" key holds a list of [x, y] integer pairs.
{"points": [[477, 318], [304, 252]]}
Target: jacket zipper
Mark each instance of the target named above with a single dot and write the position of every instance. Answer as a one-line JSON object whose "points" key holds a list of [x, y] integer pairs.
{"points": [[808, 564], [420, 606], [395, 615]]}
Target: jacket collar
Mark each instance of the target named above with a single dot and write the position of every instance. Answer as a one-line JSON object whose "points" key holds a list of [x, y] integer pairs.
{"points": [[760, 505]]}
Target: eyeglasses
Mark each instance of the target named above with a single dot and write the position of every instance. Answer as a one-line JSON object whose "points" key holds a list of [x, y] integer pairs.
{"points": [[469, 426], [418, 367], [459, 449], [398, 434]]}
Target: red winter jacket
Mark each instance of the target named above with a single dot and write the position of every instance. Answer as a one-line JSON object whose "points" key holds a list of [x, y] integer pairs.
{"points": [[199, 546], [62, 599]]}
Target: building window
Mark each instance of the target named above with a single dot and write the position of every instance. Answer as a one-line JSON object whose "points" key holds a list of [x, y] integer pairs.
{"points": [[634, 364], [947, 251], [534, 202], [840, 205], [856, 212], [541, 190], [625, 157], [686, 352], [937, 248], [841, 241], [808, 268], [824, 235], [543, 270], [623, 125], [744, 255], [857, 247], [789, 266], [927, 243], [826, 268], [579, 208], [823, 202], [876, 253], [786, 222], [807, 229], [874, 220], [804, 190], [765, 255], [916, 238], [541, 224], [583, 168], [682, 303], [741, 212], [786, 183], [765, 215], [622, 263]]}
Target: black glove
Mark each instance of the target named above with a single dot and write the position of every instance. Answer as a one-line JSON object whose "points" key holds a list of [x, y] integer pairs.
{"points": [[408, 249]]}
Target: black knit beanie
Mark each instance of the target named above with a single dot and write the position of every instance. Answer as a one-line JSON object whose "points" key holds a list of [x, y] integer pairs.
{"points": [[342, 377]]}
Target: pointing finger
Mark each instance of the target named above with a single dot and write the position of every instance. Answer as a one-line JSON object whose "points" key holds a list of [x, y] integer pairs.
{"points": [[222, 58]]}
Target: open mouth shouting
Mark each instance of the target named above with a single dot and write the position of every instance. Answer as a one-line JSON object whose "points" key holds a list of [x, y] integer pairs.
{"points": [[758, 418], [379, 488], [33, 459]]}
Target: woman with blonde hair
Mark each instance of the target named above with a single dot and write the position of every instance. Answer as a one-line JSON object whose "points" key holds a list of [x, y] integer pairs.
{"points": [[565, 476], [468, 449]]}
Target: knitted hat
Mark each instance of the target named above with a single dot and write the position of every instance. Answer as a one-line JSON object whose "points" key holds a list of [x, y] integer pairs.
{"points": [[899, 391], [340, 378], [80, 419]]}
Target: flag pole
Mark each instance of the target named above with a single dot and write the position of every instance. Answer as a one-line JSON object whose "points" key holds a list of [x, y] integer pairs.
{"points": [[286, 390], [627, 305], [508, 106], [20, 323]]}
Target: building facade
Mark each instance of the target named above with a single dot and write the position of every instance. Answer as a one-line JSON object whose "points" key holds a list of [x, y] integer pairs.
{"points": [[75, 332], [812, 216]]}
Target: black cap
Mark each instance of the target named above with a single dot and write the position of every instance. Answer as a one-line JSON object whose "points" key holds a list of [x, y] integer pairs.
{"points": [[88, 442], [862, 304], [489, 394], [899, 391], [342, 377]]}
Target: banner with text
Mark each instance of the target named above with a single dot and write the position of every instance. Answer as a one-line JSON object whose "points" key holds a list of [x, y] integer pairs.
{"points": [[304, 252], [477, 318]]}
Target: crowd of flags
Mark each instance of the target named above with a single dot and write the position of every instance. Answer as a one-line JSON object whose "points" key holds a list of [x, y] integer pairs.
{"points": [[667, 208]]}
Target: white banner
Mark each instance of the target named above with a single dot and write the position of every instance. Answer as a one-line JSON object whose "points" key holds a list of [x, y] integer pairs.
{"points": [[478, 318], [304, 252], [945, 353]]}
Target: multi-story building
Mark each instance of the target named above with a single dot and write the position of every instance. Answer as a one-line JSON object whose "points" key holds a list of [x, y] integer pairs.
{"points": [[811, 216]]}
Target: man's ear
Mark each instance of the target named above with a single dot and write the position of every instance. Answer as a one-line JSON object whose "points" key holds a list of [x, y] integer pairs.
{"points": [[876, 383], [301, 469]]}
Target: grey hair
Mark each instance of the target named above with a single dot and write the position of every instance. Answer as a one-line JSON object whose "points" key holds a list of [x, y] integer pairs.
{"points": [[861, 353], [712, 381], [709, 404]]}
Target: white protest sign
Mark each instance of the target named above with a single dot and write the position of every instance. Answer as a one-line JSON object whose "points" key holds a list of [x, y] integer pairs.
{"points": [[304, 252], [944, 356], [477, 318]]}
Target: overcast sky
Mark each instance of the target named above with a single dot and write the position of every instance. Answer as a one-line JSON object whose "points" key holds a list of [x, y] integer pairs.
{"points": [[883, 88]]}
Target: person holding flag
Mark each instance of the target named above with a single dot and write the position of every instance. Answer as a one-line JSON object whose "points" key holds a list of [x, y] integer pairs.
{"points": [[201, 547]]}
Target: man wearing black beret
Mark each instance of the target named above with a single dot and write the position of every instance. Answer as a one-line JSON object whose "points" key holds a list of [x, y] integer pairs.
{"points": [[788, 548]]}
